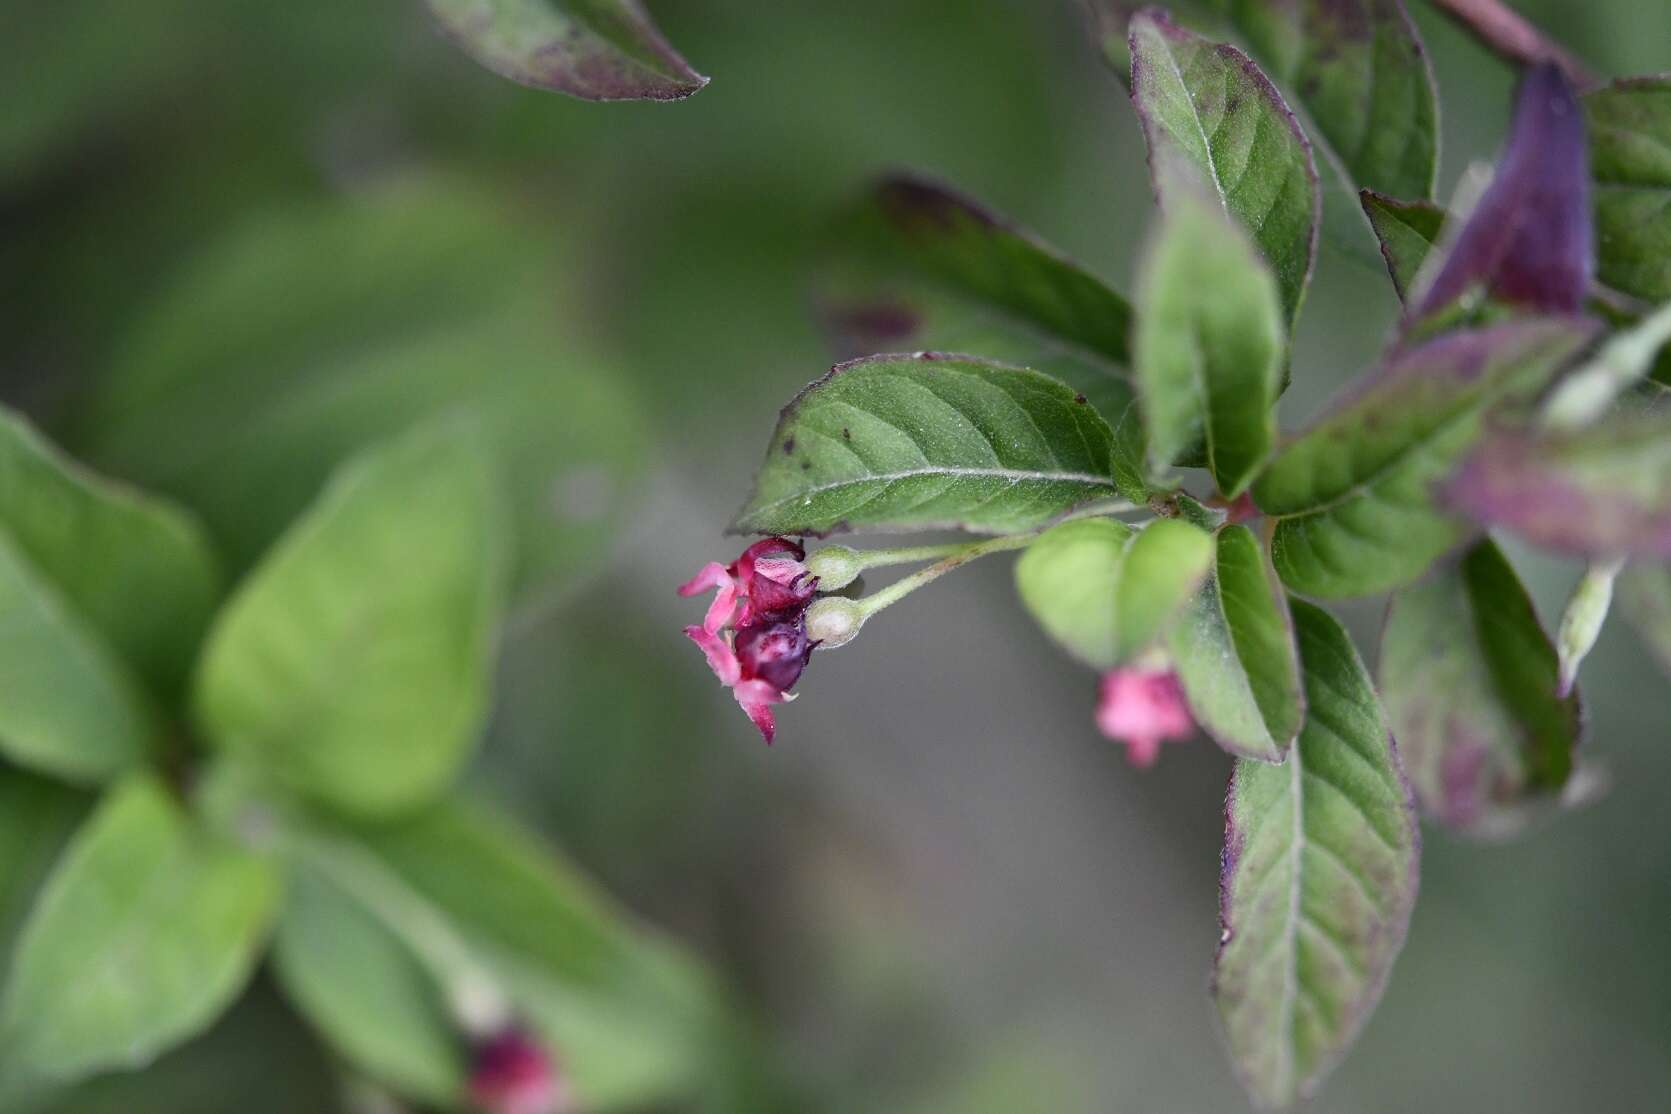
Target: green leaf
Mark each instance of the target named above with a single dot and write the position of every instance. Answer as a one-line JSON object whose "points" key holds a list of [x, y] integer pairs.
{"points": [[1600, 491], [68, 707], [356, 661], [1210, 348], [36, 818], [1361, 73], [918, 267], [1352, 497], [1469, 680], [1318, 878], [930, 441], [599, 50], [305, 335], [1208, 105], [370, 998], [1106, 592], [1233, 649], [1645, 599], [628, 1016], [1408, 230], [136, 569], [145, 932], [1630, 159]]}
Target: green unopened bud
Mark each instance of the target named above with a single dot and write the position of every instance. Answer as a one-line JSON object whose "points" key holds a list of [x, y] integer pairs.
{"points": [[835, 566], [834, 621]]}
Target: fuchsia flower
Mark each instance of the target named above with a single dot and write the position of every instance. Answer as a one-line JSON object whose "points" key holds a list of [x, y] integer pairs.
{"points": [[754, 634], [1143, 707], [511, 1074]]}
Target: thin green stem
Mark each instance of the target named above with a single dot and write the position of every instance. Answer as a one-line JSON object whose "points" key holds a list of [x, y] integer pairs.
{"points": [[955, 557]]}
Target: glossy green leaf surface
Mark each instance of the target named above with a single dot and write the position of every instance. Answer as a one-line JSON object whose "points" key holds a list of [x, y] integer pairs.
{"points": [[1407, 231], [1233, 650], [1630, 158], [358, 984], [355, 662], [144, 933], [1106, 592], [600, 50], [1469, 679], [68, 706], [1645, 603], [1210, 350], [1359, 69], [302, 336], [1353, 496], [136, 569], [929, 441], [1318, 878], [1208, 105]]}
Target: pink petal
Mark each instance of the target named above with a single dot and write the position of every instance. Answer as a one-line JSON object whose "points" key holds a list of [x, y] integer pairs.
{"points": [[1143, 708], [757, 698], [1142, 752], [721, 659]]}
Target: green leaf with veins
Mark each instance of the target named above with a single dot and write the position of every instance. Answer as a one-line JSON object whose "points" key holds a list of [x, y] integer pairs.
{"points": [[599, 50], [1318, 878], [1208, 105], [1407, 231], [1630, 160], [1210, 347], [1468, 676], [916, 266], [1107, 592], [355, 663], [1353, 497], [136, 569], [1233, 649], [931, 441], [145, 932]]}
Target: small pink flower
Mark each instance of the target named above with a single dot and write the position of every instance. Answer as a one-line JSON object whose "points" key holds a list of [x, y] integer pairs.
{"points": [[754, 634], [1143, 707], [511, 1074]]}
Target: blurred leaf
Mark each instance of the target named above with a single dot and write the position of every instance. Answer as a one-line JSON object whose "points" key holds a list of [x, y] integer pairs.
{"points": [[1233, 649], [1530, 242], [600, 50], [917, 266], [929, 441], [1318, 878], [136, 569], [1209, 105], [308, 335], [1630, 153], [36, 818], [1210, 347], [1359, 69], [356, 662], [68, 707], [628, 1016], [1106, 592], [1469, 680], [368, 995], [1601, 491], [1645, 599], [1353, 495], [1407, 231], [145, 932]]}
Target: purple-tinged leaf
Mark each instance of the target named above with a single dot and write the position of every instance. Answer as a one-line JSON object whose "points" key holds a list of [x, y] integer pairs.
{"points": [[1407, 231], [1630, 153], [1468, 676], [1317, 880], [598, 50], [1530, 242], [1645, 599], [1353, 496], [1602, 491], [1207, 106]]}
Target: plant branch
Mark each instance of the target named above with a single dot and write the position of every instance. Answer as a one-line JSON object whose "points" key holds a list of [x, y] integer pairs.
{"points": [[1506, 32]]}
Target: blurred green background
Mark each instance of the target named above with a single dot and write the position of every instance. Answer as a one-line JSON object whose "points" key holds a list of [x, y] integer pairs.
{"points": [[235, 235]]}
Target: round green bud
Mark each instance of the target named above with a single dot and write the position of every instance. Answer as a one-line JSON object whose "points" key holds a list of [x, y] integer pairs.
{"points": [[835, 566], [834, 621]]}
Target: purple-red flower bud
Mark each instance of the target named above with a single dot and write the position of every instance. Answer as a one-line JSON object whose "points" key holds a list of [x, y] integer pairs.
{"points": [[511, 1074]]}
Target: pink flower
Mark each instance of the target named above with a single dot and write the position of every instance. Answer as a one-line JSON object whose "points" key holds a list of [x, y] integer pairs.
{"points": [[511, 1074], [754, 634], [1143, 707]]}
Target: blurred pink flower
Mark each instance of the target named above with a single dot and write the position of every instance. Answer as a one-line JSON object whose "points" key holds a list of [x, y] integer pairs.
{"points": [[1143, 707], [511, 1074]]}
